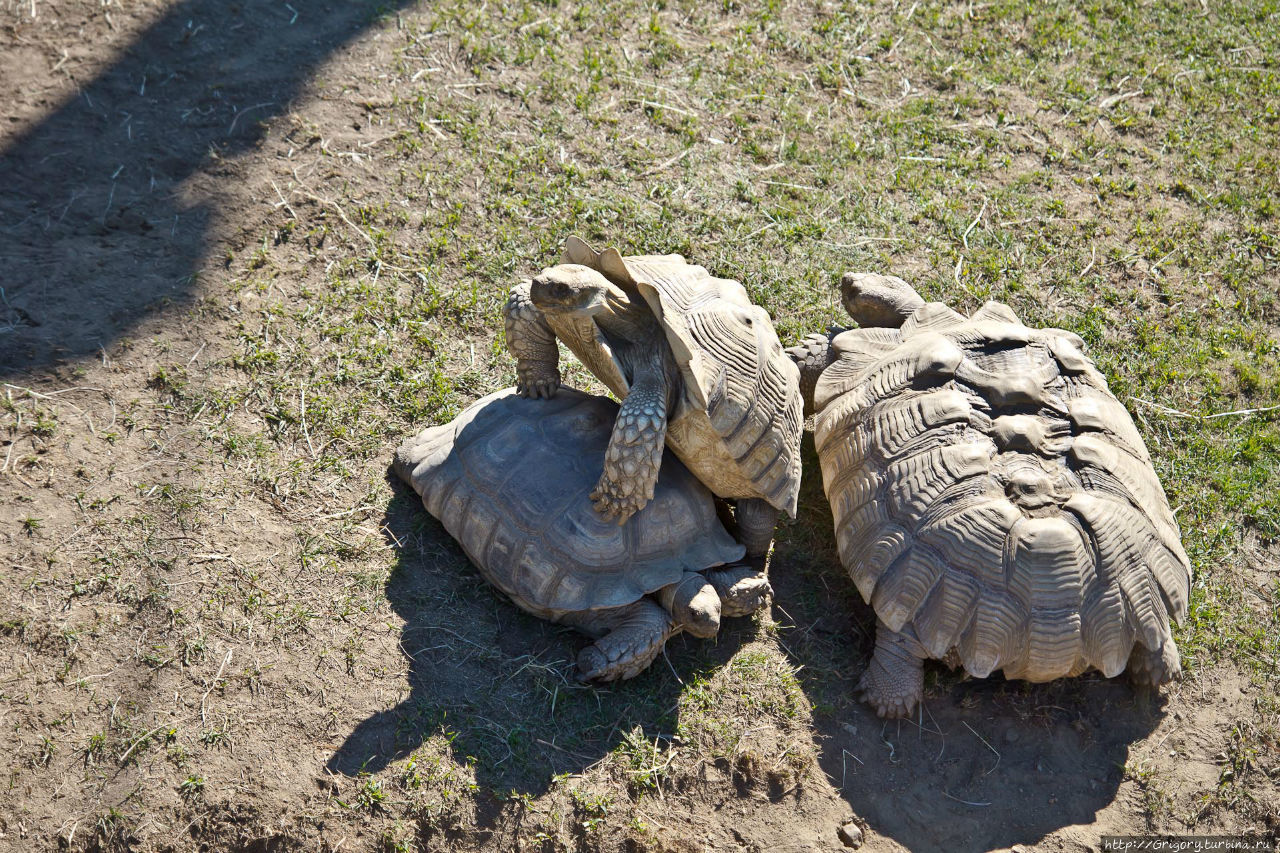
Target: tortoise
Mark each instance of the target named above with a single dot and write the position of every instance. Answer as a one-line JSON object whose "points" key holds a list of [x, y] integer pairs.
{"points": [[694, 363], [510, 478], [993, 501]]}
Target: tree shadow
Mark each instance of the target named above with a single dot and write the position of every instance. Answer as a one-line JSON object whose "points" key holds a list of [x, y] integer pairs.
{"points": [[986, 764], [108, 202], [497, 683]]}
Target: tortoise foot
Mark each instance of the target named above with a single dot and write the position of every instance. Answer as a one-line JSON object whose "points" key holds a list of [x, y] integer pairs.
{"points": [[537, 381], [1147, 667], [615, 502], [742, 589], [894, 681], [634, 457], [637, 636]]}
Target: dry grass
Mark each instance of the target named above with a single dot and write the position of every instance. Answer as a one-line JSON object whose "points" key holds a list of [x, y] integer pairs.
{"points": [[224, 624]]}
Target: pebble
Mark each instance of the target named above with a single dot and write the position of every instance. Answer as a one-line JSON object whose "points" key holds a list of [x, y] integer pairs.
{"points": [[851, 835]]}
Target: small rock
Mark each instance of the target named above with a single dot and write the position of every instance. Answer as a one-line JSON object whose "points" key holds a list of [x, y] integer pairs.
{"points": [[850, 728], [1011, 736], [851, 835]]}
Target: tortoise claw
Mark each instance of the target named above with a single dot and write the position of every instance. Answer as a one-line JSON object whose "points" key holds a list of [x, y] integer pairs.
{"points": [[614, 504], [537, 385]]}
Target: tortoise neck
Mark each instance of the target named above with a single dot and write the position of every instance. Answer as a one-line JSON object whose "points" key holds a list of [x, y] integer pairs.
{"points": [[623, 316]]}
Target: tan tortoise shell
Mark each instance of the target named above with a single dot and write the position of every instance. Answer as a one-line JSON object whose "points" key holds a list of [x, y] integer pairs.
{"points": [[738, 422], [990, 493]]}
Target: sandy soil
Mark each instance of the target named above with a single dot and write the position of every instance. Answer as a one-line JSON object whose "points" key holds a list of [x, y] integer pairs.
{"points": [[143, 141]]}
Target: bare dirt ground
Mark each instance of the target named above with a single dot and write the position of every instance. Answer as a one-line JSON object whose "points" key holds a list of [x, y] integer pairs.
{"points": [[246, 247]]}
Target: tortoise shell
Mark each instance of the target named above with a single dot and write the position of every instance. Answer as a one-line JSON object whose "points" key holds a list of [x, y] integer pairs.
{"points": [[737, 423], [510, 479], [992, 495]]}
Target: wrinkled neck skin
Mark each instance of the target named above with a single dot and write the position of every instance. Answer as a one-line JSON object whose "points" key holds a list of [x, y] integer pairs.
{"points": [[625, 319], [637, 340]]}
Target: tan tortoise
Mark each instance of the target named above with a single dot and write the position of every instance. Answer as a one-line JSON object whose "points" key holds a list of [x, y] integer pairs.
{"points": [[694, 363], [993, 501], [510, 480]]}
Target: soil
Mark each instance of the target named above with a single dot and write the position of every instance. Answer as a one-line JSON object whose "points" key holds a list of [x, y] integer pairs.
{"points": [[140, 143]]}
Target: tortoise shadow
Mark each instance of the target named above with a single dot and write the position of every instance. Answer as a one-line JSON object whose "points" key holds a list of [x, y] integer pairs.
{"points": [[986, 764], [109, 201], [497, 684]]}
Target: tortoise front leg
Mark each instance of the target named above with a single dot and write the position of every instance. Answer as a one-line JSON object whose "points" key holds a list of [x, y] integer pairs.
{"points": [[814, 355], [533, 344], [629, 638], [894, 681], [634, 456], [742, 589]]}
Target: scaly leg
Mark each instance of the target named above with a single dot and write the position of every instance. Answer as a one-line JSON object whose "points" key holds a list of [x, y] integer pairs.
{"points": [[533, 344], [1155, 667], [756, 519], [742, 589], [634, 456], [813, 356], [629, 639], [894, 681]]}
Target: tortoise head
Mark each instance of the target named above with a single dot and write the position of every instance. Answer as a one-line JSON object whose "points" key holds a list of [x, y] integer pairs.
{"points": [[878, 300], [574, 289]]}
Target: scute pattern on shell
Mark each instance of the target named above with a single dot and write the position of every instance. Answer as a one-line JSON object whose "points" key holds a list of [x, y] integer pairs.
{"points": [[739, 426], [992, 496], [510, 478]]}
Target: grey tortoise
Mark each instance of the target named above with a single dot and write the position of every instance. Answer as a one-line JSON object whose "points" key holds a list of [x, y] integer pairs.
{"points": [[510, 479]]}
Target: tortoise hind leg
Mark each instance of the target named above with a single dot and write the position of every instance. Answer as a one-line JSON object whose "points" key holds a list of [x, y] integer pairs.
{"points": [[629, 638], [756, 520], [1155, 666], [894, 681]]}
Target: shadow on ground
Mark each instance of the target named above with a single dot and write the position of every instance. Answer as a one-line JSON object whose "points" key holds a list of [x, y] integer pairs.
{"points": [[107, 203], [988, 763], [497, 683]]}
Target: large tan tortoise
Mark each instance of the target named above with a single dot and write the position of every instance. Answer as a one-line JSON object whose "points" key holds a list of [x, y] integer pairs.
{"points": [[993, 501], [694, 362], [510, 480]]}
